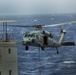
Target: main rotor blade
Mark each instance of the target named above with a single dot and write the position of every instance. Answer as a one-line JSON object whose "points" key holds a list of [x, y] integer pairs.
{"points": [[34, 26], [19, 26], [8, 21], [52, 25]]}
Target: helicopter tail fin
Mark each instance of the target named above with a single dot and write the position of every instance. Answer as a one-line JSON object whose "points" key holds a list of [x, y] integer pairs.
{"points": [[68, 44], [62, 36]]}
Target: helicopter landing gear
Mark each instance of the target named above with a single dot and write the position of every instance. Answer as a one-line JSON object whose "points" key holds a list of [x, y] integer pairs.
{"points": [[57, 51], [42, 48], [26, 47]]}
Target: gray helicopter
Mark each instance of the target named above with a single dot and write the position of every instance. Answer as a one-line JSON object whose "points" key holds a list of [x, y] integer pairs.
{"points": [[43, 39], [39, 37]]}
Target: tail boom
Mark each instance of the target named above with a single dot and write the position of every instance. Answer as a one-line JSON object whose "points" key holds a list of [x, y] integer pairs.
{"points": [[68, 44]]}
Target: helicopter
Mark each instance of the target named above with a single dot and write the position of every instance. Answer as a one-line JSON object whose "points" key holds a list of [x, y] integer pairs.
{"points": [[41, 38], [44, 39]]}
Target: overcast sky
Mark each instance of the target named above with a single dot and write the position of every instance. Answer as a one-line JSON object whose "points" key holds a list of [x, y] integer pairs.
{"points": [[37, 6]]}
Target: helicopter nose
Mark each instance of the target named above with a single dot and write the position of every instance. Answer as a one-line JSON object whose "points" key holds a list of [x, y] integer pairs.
{"points": [[26, 41]]}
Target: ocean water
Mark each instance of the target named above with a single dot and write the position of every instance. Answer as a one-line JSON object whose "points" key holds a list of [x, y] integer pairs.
{"points": [[47, 62]]}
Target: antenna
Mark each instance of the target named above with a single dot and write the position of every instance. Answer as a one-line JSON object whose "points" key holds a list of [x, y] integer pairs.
{"points": [[5, 33]]}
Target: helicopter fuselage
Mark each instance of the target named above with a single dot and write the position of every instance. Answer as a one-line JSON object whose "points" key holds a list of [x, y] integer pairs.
{"points": [[40, 38]]}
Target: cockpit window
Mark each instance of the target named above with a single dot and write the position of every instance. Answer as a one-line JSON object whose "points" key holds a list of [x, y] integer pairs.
{"points": [[30, 35], [26, 34], [37, 37]]}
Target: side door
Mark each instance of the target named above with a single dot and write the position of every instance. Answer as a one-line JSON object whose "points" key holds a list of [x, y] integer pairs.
{"points": [[45, 40]]}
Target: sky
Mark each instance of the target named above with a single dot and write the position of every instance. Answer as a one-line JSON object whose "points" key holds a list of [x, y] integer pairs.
{"points": [[25, 7]]}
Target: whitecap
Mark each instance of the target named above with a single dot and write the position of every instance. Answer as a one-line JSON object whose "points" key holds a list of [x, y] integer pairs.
{"points": [[7, 28], [68, 62], [52, 18], [35, 20], [50, 63], [11, 30], [23, 30], [24, 72]]}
